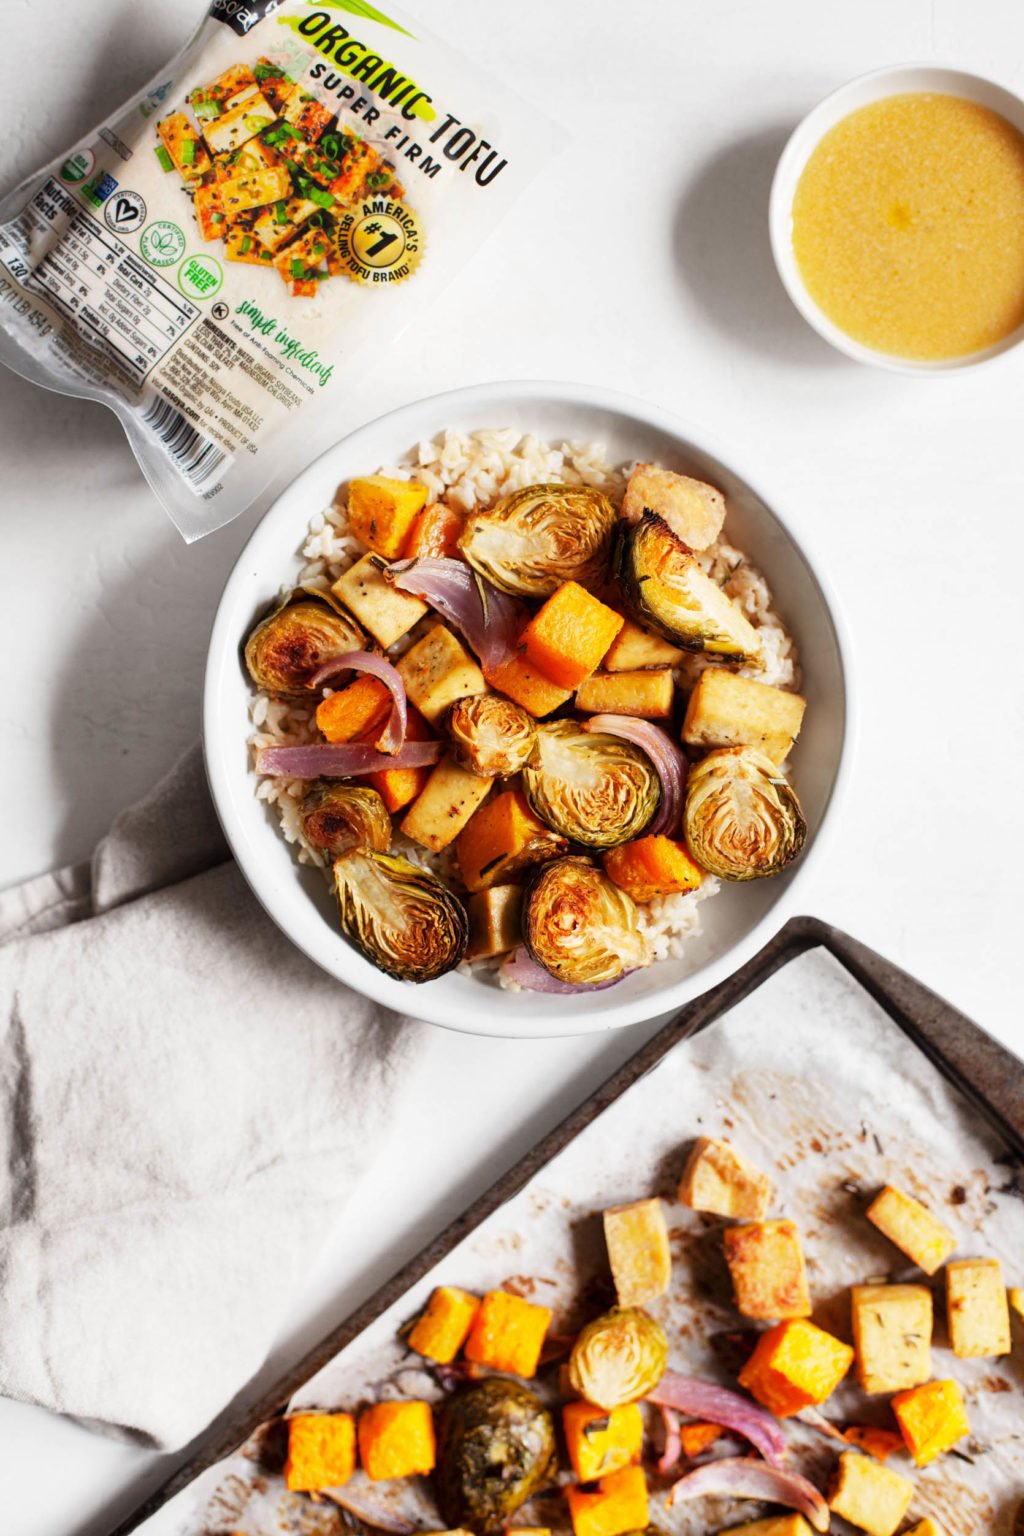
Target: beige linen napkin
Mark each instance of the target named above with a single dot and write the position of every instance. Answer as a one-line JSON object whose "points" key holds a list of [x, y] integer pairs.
{"points": [[185, 1103]]}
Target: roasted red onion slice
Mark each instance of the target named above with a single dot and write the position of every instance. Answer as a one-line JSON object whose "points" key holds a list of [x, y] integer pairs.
{"points": [[393, 735], [342, 760], [703, 1400], [369, 1514], [488, 619], [673, 1441], [521, 968], [744, 1477], [663, 753]]}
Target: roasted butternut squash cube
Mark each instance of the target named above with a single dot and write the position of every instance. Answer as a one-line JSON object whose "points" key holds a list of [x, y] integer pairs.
{"points": [[652, 866], [508, 1334], [398, 787], [321, 1451], [495, 921], [913, 1228], [504, 839], [697, 1436], [443, 1327], [892, 1331], [977, 1309], [725, 710], [694, 510], [766, 1263], [617, 1505], [648, 695], [775, 1525], [358, 710], [382, 511], [721, 1181], [796, 1365], [926, 1527], [870, 1496], [635, 648], [436, 671], [879, 1443], [599, 1441], [445, 804], [396, 1439], [638, 1251], [932, 1418], [517, 680], [435, 534], [385, 612], [567, 637]]}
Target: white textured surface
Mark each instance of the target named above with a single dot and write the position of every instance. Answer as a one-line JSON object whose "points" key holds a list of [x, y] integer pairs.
{"points": [[640, 262]]}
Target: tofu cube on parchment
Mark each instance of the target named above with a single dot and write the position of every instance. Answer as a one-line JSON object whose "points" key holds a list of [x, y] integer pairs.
{"points": [[638, 1251], [977, 1309], [870, 1496], [913, 1228], [766, 1263], [892, 1332], [721, 1181]]}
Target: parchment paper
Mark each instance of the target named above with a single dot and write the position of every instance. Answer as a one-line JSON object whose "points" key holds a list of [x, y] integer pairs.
{"points": [[812, 1080]]}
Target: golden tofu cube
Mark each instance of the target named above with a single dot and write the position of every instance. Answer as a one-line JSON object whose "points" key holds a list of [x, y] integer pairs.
{"points": [[242, 246], [436, 671], [932, 1418], [382, 512], [693, 510], [274, 232], [638, 1251], [977, 1309], [252, 189], [926, 1527], [635, 648], [444, 805], [649, 695], [775, 1525], [720, 1180], [387, 613], [248, 115], [892, 1332], [495, 921], [870, 1496], [184, 146], [913, 1228], [766, 1263], [729, 711]]}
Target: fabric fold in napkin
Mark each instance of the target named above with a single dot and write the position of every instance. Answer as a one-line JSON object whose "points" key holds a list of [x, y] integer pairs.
{"points": [[186, 1102]]}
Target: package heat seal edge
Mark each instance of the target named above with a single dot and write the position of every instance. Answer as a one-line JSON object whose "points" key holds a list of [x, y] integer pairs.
{"points": [[276, 205]]}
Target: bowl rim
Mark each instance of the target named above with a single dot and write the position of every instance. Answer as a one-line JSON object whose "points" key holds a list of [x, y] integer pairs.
{"points": [[805, 138], [422, 1002]]}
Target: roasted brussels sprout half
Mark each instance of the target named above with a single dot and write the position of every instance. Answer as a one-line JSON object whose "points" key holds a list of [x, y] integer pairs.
{"points": [[304, 631], [595, 789], [539, 537], [496, 1448], [742, 817], [336, 817], [490, 735], [618, 1358], [665, 587], [580, 926], [399, 915]]}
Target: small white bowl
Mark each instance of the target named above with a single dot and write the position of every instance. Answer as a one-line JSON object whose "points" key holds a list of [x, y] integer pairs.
{"points": [[736, 922], [895, 80]]}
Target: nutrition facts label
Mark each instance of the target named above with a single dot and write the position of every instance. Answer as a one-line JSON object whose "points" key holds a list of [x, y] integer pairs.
{"points": [[129, 310]]}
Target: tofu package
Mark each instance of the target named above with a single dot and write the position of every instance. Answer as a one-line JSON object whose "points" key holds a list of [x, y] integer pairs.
{"points": [[223, 256]]}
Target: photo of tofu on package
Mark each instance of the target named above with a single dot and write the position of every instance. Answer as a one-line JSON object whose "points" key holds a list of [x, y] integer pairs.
{"points": [[257, 225]]}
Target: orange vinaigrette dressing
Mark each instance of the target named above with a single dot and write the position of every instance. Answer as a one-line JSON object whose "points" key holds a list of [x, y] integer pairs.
{"points": [[908, 226]]}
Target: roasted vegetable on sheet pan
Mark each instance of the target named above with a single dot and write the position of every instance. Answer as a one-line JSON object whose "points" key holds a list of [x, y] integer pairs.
{"points": [[618, 1358], [496, 1447]]}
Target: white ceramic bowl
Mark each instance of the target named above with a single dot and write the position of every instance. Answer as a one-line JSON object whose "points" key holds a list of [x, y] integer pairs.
{"points": [[896, 80], [737, 922]]}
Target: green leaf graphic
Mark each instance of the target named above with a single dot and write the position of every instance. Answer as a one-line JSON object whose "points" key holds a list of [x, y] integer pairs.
{"points": [[368, 13]]}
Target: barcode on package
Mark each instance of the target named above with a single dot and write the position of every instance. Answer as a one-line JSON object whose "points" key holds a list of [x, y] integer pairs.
{"points": [[195, 456]]}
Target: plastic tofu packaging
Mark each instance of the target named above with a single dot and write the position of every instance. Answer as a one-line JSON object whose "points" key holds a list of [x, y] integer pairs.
{"points": [[220, 258]]}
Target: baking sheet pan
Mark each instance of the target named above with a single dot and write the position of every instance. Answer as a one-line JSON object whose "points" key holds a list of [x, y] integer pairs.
{"points": [[875, 1111]]}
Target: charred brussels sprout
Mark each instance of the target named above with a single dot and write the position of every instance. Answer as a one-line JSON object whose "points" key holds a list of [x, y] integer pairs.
{"points": [[490, 735], [306, 630], [336, 817], [496, 1448], [580, 926], [618, 1358], [666, 588], [399, 915], [742, 817], [595, 789], [541, 536]]}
